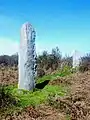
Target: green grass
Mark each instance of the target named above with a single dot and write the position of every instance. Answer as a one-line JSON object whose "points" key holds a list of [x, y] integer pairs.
{"points": [[68, 117], [60, 73], [38, 96]]}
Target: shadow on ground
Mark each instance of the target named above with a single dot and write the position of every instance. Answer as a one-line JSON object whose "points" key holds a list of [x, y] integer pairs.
{"points": [[42, 85]]}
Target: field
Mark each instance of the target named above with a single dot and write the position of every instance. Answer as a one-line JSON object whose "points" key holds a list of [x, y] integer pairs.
{"points": [[59, 96]]}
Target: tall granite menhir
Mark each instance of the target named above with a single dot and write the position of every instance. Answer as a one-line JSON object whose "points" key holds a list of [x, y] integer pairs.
{"points": [[27, 58]]}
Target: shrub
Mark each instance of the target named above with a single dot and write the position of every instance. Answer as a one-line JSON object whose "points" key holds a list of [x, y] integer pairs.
{"points": [[84, 63], [40, 72], [67, 61], [6, 99], [51, 60], [66, 70]]}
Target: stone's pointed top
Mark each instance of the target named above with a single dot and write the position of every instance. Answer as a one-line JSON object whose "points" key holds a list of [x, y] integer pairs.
{"points": [[26, 24]]}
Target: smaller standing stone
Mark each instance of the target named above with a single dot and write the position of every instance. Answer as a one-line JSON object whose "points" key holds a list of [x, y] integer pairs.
{"points": [[76, 59]]}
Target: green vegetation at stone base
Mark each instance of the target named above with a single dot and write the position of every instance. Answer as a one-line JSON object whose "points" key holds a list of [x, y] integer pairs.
{"points": [[30, 98], [59, 73], [37, 96]]}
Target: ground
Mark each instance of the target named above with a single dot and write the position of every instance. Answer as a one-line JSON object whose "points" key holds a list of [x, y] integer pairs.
{"points": [[68, 97]]}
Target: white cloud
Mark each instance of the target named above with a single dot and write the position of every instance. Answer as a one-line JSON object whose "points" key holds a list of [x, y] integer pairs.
{"points": [[8, 47]]}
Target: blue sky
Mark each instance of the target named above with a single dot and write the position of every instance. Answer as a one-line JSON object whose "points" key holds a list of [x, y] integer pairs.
{"points": [[62, 23]]}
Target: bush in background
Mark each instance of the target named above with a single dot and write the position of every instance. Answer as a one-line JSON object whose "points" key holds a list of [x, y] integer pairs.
{"points": [[49, 61], [67, 61], [84, 63], [46, 62], [40, 72]]}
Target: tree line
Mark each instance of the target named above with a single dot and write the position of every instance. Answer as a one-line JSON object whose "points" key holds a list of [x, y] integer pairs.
{"points": [[48, 62]]}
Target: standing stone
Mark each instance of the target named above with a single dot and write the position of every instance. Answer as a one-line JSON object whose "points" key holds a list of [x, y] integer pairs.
{"points": [[27, 58], [76, 59]]}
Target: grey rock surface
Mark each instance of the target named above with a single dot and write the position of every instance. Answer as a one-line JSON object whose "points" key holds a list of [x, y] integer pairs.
{"points": [[76, 59], [27, 58]]}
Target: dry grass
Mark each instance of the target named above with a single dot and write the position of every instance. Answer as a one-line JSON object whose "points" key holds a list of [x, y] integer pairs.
{"points": [[8, 75], [76, 104]]}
